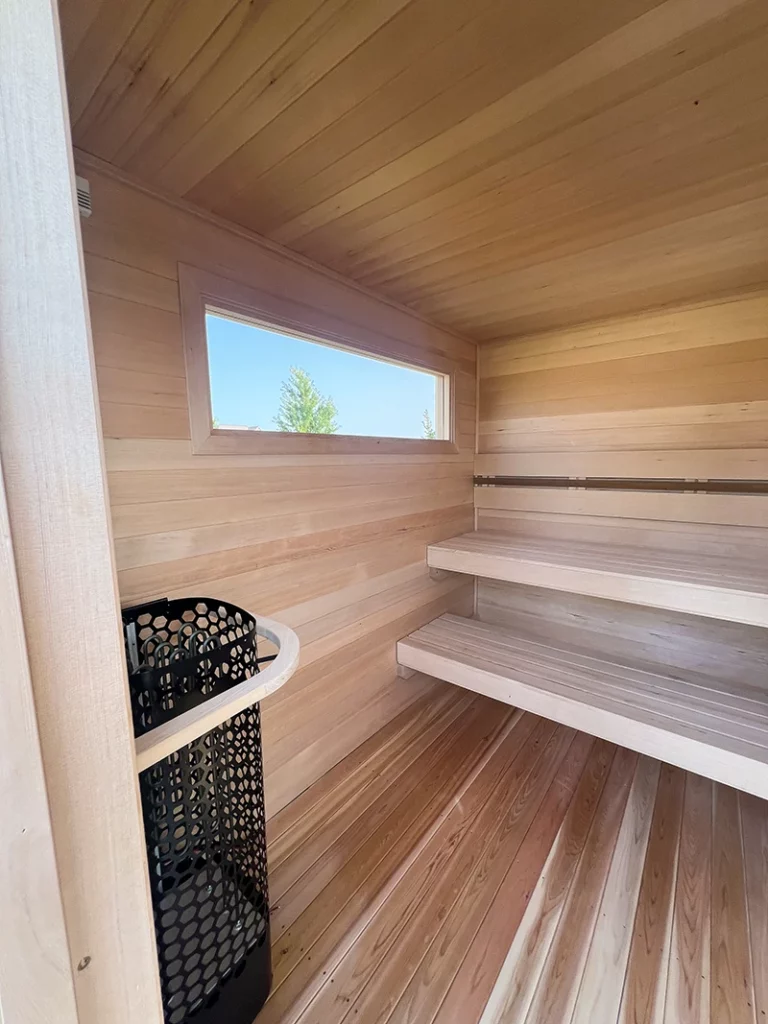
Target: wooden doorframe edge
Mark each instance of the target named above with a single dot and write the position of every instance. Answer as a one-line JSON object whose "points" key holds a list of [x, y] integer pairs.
{"points": [[33, 943], [58, 511]]}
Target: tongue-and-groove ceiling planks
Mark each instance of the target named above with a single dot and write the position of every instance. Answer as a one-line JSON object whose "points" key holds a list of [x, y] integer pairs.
{"points": [[500, 166]]}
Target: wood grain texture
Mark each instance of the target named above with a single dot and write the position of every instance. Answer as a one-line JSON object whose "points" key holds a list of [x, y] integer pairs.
{"points": [[649, 954], [35, 956], [58, 511], [755, 831], [694, 720], [199, 290], [732, 994], [333, 919], [727, 653], [557, 991], [331, 545], [681, 393], [502, 167], [599, 914], [506, 919], [356, 981], [602, 983], [734, 588], [688, 996]]}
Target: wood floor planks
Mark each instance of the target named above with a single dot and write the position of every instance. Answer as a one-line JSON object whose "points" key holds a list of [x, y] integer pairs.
{"points": [[731, 985], [320, 932], [411, 982], [349, 984], [502, 924], [645, 983], [534, 938], [429, 985], [558, 986], [687, 998], [479, 865], [602, 982], [755, 830]]}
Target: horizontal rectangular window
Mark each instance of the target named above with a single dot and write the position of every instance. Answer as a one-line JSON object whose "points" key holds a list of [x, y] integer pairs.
{"points": [[268, 374], [268, 380]]}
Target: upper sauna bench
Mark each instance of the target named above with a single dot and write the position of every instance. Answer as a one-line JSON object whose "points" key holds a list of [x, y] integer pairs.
{"points": [[718, 586]]}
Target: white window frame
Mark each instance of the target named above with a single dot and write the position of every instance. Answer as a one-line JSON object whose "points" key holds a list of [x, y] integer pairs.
{"points": [[202, 292]]}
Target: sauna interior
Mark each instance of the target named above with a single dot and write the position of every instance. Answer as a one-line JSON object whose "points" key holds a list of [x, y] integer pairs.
{"points": [[520, 774]]}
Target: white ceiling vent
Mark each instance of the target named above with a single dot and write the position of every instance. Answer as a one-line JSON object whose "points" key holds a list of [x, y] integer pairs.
{"points": [[84, 196]]}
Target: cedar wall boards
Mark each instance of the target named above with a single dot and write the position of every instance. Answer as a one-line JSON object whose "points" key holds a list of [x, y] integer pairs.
{"points": [[334, 546], [678, 394]]}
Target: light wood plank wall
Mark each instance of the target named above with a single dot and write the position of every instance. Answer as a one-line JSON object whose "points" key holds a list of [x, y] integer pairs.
{"points": [[334, 546], [678, 392]]}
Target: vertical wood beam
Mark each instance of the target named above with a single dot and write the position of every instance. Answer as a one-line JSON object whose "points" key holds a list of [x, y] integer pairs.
{"points": [[36, 985], [50, 447]]}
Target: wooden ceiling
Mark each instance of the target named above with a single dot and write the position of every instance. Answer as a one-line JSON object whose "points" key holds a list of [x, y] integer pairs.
{"points": [[501, 166]]}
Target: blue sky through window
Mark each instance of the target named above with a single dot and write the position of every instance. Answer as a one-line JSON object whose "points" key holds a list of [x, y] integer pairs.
{"points": [[248, 364]]}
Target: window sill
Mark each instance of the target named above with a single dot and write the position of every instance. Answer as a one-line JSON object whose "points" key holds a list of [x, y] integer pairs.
{"points": [[264, 442]]}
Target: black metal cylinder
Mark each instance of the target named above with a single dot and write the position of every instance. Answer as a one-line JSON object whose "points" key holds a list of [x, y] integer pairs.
{"points": [[203, 812]]}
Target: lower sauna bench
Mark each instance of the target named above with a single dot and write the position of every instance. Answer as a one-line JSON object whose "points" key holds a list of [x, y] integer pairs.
{"points": [[476, 864], [692, 720]]}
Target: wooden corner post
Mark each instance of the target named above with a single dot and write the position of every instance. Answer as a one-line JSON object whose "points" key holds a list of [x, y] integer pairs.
{"points": [[50, 449]]}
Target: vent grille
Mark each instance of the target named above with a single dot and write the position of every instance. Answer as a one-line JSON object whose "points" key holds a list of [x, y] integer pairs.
{"points": [[84, 196]]}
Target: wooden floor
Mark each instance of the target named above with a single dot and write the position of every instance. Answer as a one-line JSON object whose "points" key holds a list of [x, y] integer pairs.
{"points": [[473, 863]]}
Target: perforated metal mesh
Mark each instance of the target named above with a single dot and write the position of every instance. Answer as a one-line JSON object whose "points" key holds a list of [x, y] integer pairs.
{"points": [[182, 652], [203, 812], [204, 819]]}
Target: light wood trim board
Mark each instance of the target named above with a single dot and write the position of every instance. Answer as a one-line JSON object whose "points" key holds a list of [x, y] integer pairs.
{"points": [[51, 450], [35, 954], [200, 290]]}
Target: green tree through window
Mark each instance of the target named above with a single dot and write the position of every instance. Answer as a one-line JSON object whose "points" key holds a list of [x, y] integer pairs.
{"points": [[303, 410], [427, 427]]}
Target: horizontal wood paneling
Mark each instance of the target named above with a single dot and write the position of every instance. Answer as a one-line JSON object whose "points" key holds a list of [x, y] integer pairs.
{"points": [[677, 394], [676, 464], [729, 653], [681, 392], [332, 545], [504, 167], [664, 506]]}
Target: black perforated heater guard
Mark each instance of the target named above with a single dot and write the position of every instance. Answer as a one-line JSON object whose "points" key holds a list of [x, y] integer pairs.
{"points": [[203, 814]]}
